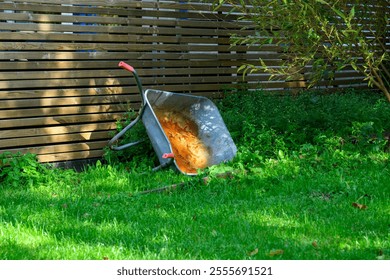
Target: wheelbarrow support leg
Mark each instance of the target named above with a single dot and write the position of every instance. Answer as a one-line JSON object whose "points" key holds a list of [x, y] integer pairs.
{"points": [[164, 165], [140, 113]]}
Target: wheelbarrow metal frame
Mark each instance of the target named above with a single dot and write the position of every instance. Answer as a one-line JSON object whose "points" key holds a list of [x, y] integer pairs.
{"points": [[212, 129]]}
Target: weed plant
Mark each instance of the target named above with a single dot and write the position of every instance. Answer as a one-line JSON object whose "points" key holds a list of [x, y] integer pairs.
{"points": [[310, 181], [141, 153]]}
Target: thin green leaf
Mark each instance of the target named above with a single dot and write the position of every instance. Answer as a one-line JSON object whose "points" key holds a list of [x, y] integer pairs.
{"points": [[352, 13], [339, 13]]}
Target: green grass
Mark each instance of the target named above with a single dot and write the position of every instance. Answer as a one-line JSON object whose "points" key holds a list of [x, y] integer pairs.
{"points": [[304, 165]]}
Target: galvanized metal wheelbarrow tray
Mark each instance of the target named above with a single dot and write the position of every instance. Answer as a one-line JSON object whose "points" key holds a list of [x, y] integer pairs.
{"points": [[211, 130]]}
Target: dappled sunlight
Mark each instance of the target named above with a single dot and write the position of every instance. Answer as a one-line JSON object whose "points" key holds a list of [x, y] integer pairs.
{"points": [[15, 234], [219, 220]]}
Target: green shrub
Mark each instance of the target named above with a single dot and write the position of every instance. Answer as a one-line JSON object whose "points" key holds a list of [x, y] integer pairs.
{"points": [[19, 170], [328, 36], [265, 123]]}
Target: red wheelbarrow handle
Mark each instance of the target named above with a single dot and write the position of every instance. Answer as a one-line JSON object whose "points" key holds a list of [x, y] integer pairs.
{"points": [[131, 69], [126, 66], [168, 155]]}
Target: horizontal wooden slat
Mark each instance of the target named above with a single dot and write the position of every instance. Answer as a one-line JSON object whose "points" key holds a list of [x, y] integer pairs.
{"points": [[28, 75], [93, 47], [144, 73], [20, 94], [58, 149], [101, 20], [73, 155], [44, 140], [21, 59], [31, 95], [59, 102], [69, 154], [55, 130], [59, 111], [111, 82], [74, 37], [57, 120], [131, 29]]}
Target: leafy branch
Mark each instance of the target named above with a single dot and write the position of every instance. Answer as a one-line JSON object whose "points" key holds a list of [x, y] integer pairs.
{"points": [[317, 38]]}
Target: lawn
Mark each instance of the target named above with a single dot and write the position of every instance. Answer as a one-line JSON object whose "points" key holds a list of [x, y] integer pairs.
{"points": [[310, 181]]}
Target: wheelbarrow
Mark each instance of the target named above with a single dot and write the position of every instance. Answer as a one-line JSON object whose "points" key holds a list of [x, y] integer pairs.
{"points": [[186, 131]]}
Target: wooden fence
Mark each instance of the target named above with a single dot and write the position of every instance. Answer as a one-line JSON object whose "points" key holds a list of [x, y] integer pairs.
{"points": [[61, 91]]}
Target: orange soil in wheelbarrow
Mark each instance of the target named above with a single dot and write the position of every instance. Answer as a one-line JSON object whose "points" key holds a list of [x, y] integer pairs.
{"points": [[182, 132]]}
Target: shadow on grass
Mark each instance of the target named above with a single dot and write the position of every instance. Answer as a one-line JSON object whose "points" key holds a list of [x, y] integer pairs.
{"points": [[223, 220]]}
